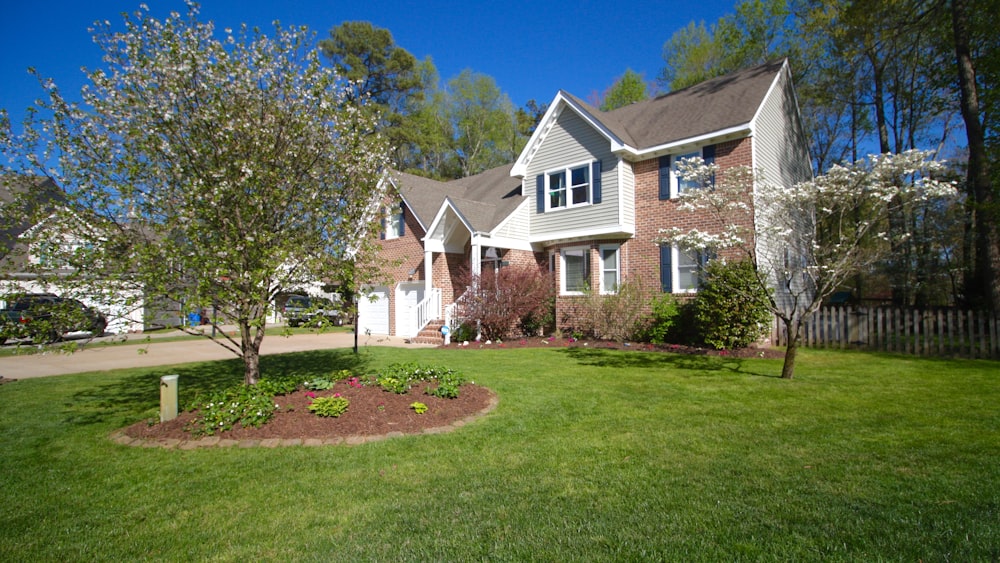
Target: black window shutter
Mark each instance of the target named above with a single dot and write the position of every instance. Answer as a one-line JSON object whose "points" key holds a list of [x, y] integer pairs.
{"points": [[540, 193], [381, 234], [402, 219], [708, 154], [666, 281], [595, 178], [665, 177]]}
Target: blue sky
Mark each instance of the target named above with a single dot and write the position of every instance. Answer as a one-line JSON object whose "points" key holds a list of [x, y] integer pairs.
{"points": [[532, 49]]}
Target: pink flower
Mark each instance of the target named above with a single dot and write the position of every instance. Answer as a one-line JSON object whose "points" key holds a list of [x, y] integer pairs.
{"points": [[336, 394], [310, 394]]}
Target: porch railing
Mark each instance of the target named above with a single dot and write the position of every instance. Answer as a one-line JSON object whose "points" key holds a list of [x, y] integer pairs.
{"points": [[427, 310]]}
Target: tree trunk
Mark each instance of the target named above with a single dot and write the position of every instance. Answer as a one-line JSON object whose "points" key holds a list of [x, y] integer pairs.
{"points": [[793, 334], [250, 339], [984, 290]]}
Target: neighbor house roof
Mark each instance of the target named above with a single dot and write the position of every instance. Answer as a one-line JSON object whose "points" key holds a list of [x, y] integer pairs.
{"points": [[21, 200]]}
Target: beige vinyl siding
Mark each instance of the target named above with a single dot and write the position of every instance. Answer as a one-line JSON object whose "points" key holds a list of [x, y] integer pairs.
{"points": [[780, 143], [517, 226], [781, 150], [571, 141]]}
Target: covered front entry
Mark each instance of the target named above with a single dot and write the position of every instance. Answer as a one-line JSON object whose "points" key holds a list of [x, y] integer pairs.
{"points": [[408, 295], [373, 311]]}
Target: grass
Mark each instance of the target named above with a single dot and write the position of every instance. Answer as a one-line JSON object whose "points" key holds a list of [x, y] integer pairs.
{"points": [[591, 455]]}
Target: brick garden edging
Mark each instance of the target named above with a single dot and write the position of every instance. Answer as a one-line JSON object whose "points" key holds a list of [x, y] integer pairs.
{"points": [[119, 437]]}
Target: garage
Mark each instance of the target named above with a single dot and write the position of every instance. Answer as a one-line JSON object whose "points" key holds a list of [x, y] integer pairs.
{"points": [[373, 311]]}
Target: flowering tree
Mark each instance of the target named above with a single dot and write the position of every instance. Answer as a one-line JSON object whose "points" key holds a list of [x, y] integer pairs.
{"points": [[805, 240], [207, 170]]}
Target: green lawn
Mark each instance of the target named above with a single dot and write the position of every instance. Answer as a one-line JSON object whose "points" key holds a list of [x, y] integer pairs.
{"points": [[591, 455]]}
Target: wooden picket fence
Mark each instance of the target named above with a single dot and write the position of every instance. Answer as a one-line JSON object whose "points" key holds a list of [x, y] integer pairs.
{"points": [[929, 332]]}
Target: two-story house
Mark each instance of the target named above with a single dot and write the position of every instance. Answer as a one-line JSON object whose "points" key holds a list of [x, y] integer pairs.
{"points": [[586, 197]]}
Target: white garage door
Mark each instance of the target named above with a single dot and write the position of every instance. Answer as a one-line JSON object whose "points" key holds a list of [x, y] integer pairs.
{"points": [[373, 311]]}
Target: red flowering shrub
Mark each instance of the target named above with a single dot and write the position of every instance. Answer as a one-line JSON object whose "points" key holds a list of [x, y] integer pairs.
{"points": [[506, 299]]}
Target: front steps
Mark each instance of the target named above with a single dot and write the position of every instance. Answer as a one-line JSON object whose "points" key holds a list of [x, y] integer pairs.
{"points": [[431, 334]]}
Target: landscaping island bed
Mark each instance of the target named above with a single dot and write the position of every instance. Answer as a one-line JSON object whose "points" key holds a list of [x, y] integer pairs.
{"points": [[372, 412]]}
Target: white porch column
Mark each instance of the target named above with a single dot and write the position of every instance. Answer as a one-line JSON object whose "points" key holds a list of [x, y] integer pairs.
{"points": [[477, 259], [428, 271]]}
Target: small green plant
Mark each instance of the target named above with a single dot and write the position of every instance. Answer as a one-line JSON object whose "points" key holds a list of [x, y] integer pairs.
{"points": [[664, 317], [250, 406], [399, 378], [447, 385], [329, 406], [319, 384], [418, 407]]}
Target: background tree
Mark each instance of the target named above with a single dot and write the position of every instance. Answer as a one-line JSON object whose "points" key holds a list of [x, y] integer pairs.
{"points": [[393, 79], [206, 171], [628, 88], [984, 203], [483, 121], [803, 240]]}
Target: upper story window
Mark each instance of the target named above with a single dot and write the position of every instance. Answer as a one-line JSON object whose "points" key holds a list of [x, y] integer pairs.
{"points": [[569, 187], [671, 183], [394, 223], [573, 186]]}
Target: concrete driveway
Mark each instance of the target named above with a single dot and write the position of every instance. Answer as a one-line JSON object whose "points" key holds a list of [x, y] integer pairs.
{"points": [[102, 358]]}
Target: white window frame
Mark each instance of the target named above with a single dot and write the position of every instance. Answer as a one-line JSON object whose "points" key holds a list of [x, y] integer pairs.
{"points": [[562, 269], [606, 268], [567, 173], [675, 266], [675, 179], [393, 221]]}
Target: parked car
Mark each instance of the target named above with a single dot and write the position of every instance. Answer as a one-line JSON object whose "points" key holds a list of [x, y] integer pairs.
{"points": [[46, 317], [305, 310]]}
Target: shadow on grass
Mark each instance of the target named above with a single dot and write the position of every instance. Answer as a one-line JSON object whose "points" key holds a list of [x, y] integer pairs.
{"points": [[136, 394], [662, 360]]}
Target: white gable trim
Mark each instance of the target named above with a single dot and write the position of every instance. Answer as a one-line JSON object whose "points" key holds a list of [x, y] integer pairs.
{"points": [[445, 205], [548, 122], [770, 90], [407, 203]]}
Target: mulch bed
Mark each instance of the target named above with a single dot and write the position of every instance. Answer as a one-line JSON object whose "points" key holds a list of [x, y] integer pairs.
{"points": [[372, 412]]}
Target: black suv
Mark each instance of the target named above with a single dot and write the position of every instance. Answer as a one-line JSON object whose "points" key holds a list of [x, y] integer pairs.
{"points": [[45, 317], [301, 309]]}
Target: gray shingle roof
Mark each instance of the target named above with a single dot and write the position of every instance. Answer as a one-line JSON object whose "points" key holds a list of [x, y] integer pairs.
{"points": [[484, 200], [714, 105]]}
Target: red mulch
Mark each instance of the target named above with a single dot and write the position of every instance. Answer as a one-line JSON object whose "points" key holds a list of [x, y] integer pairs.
{"points": [[372, 412]]}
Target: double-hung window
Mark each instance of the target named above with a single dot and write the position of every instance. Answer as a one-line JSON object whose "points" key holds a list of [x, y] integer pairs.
{"points": [[568, 187], [394, 223], [681, 271], [610, 269], [671, 182], [575, 271]]}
